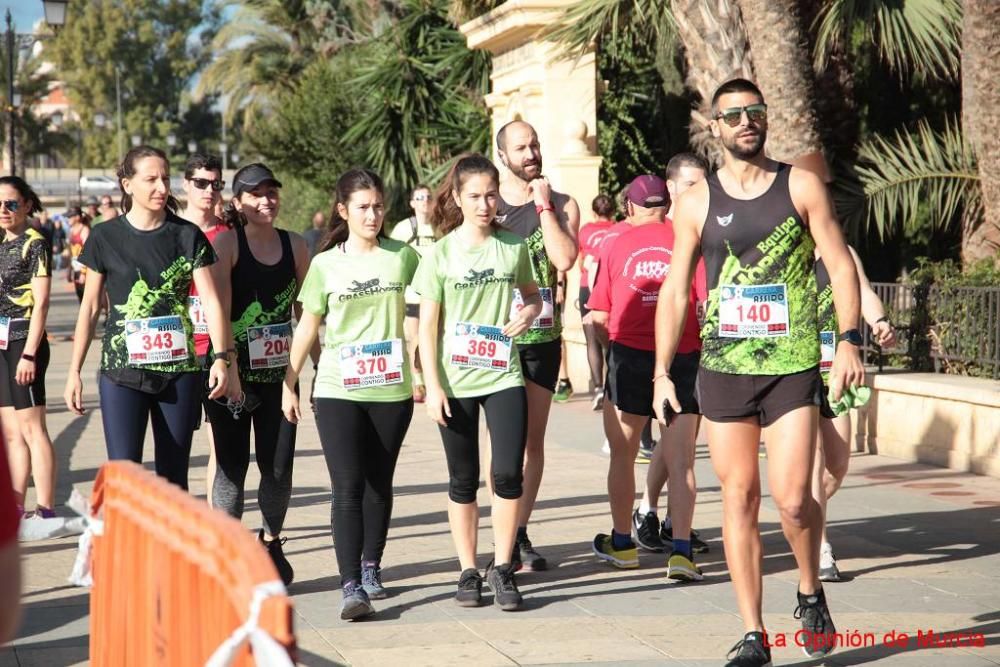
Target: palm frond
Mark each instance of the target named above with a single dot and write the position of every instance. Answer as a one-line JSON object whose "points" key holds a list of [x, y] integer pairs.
{"points": [[916, 169], [918, 36], [620, 25]]}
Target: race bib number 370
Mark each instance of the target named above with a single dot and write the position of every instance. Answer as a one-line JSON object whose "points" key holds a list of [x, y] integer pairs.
{"points": [[269, 345], [753, 311], [371, 364], [155, 340], [480, 346], [545, 319]]}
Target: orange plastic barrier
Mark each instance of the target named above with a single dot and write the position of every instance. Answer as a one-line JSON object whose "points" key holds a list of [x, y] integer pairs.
{"points": [[173, 579]]}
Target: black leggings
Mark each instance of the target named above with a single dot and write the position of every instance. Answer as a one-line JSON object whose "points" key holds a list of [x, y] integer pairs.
{"points": [[361, 442], [275, 449], [507, 422]]}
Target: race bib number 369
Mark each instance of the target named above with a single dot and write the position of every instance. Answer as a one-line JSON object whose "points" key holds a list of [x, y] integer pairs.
{"points": [[269, 345], [371, 364], [480, 346], [155, 340], [545, 319], [753, 311]]}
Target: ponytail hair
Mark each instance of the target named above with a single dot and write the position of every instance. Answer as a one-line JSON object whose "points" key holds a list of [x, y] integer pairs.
{"points": [[350, 182], [127, 170], [446, 214], [232, 217], [26, 192]]}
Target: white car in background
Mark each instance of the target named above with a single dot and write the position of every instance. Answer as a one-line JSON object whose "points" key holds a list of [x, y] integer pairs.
{"points": [[99, 184]]}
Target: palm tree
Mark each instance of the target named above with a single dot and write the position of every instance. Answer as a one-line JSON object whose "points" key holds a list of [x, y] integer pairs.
{"points": [[32, 83], [980, 115]]}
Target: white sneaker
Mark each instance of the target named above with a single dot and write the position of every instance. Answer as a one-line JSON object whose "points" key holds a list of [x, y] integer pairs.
{"points": [[828, 564], [606, 447], [598, 401]]}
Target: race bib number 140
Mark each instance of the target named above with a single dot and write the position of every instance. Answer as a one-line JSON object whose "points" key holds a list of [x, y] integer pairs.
{"points": [[828, 350], [753, 311], [480, 346]]}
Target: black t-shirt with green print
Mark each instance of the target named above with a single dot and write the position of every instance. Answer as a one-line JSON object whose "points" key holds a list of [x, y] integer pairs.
{"points": [[147, 274]]}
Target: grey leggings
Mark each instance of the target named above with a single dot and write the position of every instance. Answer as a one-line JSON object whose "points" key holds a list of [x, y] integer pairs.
{"points": [[275, 448]]}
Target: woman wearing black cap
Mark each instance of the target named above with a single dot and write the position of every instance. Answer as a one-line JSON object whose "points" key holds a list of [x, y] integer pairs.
{"points": [[260, 271]]}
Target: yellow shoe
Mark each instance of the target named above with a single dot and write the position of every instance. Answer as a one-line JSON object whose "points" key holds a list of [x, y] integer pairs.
{"points": [[682, 568], [624, 559]]}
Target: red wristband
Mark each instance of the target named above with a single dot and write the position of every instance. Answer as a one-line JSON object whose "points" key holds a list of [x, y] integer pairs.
{"points": [[546, 207]]}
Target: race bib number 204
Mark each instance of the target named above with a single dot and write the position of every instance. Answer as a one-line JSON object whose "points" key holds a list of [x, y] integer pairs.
{"points": [[753, 311]]}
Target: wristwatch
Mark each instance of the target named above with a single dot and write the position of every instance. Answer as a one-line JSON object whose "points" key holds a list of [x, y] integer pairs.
{"points": [[224, 356], [852, 336]]}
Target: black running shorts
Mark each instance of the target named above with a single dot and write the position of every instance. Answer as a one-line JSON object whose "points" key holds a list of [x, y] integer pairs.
{"points": [[540, 362], [16, 395], [629, 382], [727, 397]]}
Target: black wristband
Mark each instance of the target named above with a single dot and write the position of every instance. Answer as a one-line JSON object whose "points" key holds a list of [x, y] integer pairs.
{"points": [[883, 319], [28, 357]]}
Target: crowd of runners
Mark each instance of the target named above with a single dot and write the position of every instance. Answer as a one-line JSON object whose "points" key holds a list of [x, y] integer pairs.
{"points": [[727, 295]]}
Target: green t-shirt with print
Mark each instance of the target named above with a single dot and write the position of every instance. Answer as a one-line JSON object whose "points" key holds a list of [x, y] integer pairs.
{"points": [[361, 297], [474, 285]]}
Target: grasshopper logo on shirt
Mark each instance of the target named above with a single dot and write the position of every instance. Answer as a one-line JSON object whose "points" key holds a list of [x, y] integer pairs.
{"points": [[478, 278], [360, 289]]}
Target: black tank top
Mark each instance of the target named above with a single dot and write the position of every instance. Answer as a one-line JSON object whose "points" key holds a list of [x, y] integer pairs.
{"points": [[761, 312], [262, 296]]}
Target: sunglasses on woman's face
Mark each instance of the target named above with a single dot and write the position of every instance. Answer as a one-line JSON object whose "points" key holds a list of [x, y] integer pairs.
{"points": [[10, 205], [202, 183], [756, 113]]}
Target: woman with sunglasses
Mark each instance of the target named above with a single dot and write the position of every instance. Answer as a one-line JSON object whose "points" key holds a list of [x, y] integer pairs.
{"points": [[203, 186], [261, 269], [25, 281], [363, 392], [466, 282], [147, 259]]}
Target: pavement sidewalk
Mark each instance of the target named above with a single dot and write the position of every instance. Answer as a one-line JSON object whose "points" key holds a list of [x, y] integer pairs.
{"points": [[919, 546]]}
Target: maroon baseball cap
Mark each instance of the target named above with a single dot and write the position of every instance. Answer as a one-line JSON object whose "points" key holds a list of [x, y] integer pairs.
{"points": [[648, 191]]}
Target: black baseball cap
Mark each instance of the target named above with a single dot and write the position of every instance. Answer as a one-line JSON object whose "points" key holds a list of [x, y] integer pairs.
{"points": [[252, 175]]}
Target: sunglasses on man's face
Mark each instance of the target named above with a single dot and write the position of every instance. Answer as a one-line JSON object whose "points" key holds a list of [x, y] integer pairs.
{"points": [[421, 197], [11, 205], [202, 183], [756, 113]]}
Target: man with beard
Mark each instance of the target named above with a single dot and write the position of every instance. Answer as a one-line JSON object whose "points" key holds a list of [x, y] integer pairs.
{"points": [[548, 222], [756, 222]]}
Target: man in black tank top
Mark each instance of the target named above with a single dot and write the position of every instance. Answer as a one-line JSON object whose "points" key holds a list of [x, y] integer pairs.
{"points": [[756, 222], [548, 221]]}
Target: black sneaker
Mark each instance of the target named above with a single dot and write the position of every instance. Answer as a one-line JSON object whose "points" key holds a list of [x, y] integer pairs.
{"points": [[750, 652], [470, 588], [698, 545], [645, 530], [500, 579], [371, 581], [525, 556], [281, 563], [819, 635]]}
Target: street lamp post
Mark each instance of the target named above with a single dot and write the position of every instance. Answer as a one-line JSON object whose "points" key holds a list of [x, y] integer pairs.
{"points": [[11, 112]]}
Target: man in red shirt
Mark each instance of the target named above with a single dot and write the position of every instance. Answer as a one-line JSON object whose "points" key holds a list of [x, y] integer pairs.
{"points": [[591, 236], [632, 269], [10, 557]]}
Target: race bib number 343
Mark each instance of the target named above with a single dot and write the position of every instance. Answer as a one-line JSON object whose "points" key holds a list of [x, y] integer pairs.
{"points": [[753, 311], [155, 340], [480, 346], [371, 364], [269, 345]]}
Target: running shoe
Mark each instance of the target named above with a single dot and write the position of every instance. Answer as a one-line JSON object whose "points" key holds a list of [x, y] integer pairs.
{"points": [[645, 455], [817, 626], [371, 581], [525, 556], [750, 652], [682, 568], [606, 448], [623, 559], [644, 529], [274, 550], [828, 570], [500, 579], [470, 588], [563, 391], [698, 545], [355, 603], [598, 404]]}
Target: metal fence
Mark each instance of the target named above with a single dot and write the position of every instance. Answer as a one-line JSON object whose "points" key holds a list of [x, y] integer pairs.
{"points": [[944, 329]]}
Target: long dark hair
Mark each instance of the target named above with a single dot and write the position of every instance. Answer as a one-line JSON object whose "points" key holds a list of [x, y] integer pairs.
{"points": [[127, 170], [25, 191], [350, 182], [446, 214]]}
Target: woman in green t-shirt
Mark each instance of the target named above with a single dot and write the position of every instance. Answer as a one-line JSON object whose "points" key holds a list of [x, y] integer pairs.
{"points": [[466, 282], [363, 392]]}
